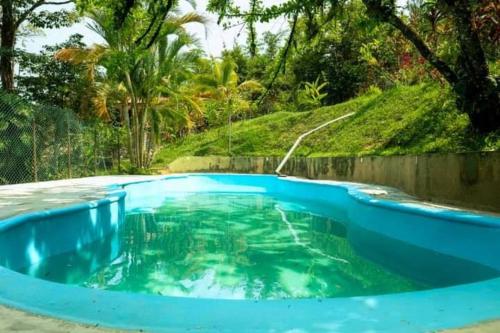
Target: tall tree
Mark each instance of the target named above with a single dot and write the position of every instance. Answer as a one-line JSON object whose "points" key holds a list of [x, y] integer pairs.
{"points": [[43, 79], [222, 84], [148, 75], [122, 10], [14, 14], [478, 93]]}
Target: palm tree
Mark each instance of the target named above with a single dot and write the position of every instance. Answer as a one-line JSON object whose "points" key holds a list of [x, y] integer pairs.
{"points": [[158, 81], [149, 75], [222, 84]]}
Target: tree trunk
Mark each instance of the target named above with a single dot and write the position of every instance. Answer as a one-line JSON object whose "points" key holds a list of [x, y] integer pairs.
{"points": [[8, 37], [135, 133], [126, 118], [477, 93], [68, 145], [142, 134], [134, 121], [229, 129]]}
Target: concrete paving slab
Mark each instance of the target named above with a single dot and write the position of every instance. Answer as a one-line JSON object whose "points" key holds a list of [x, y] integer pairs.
{"points": [[23, 198], [18, 321]]}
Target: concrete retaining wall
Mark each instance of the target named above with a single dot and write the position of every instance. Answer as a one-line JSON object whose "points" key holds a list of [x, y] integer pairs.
{"points": [[469, 180]]}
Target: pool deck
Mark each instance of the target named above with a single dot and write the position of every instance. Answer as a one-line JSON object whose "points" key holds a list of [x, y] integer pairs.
{"points": [[24, 198], [19, 321]]}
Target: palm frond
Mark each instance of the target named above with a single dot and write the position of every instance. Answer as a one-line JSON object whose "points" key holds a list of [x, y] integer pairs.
{"points": [[207, 81], [228, 73], [194, 104], [79, 56], [250, 85], [191, 17], [75, 56]]}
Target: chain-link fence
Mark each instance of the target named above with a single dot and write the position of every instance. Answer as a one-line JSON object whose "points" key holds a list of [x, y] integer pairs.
{"points": [[40, 143]]}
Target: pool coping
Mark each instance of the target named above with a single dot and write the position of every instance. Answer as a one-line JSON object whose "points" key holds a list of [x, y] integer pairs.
{"points": [[97, 303]]}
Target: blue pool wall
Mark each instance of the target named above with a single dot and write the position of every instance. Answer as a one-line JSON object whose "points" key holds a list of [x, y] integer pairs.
{"points": [[463, 234], [27, 239]]}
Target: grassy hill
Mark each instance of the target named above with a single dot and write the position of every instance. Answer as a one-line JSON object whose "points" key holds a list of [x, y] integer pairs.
{"points": [[403, 120]]}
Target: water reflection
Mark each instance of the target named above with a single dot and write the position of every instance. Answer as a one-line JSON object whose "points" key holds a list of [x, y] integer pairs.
{"points": [[249, 246], [71, 267]]}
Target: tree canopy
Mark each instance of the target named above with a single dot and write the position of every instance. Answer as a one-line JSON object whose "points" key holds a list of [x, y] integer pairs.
{"points": [[150, 84], [478, 94]]}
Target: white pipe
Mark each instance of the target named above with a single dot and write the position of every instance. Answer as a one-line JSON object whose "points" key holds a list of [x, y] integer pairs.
{"points": [[297, 142]]}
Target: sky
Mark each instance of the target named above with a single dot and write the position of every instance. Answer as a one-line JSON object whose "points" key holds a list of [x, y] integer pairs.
{"points": [[213, 38]]}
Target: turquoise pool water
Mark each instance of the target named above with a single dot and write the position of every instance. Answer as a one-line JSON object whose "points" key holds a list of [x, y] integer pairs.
{"points": [[246, 246], [248, 253]]}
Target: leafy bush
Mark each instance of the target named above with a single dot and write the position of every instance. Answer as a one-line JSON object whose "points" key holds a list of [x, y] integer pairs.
{"points": [[310, 96]]}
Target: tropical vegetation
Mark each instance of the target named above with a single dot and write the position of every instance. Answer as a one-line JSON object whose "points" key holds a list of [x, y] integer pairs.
{"points": [[423, 76], [425, 121]]}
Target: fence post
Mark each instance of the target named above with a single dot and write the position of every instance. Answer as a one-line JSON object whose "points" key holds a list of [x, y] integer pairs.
{"points": [[69, 151], [35, 161]]}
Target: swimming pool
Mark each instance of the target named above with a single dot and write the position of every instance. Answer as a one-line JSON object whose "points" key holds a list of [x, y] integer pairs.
{"points": [[253, 253]]}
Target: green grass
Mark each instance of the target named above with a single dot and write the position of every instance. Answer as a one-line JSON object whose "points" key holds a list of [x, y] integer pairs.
{"points": [[403, 120]]}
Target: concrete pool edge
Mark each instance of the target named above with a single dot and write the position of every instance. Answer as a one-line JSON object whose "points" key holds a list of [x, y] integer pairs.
{"points": [[11, 222], [98, 306], [358, 191], [361, 193]]}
